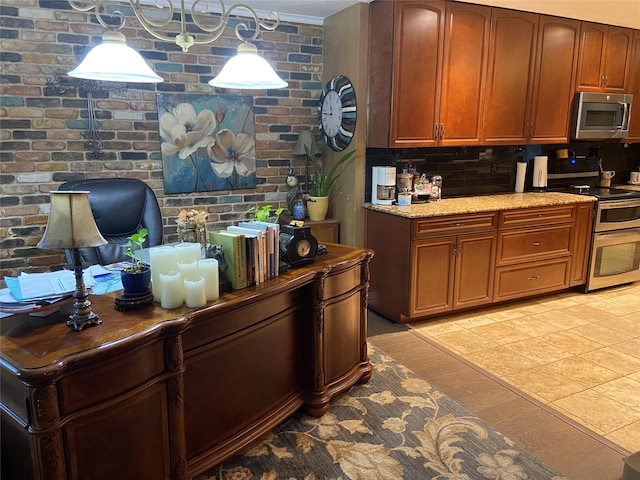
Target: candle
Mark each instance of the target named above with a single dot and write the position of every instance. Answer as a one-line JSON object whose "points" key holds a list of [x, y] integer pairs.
{"points": [[162, 259], [208, 269], [171, 289], [194, 293], [188, 270], [189, 252]]}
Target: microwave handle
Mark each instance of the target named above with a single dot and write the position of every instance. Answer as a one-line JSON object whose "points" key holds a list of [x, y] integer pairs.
{"points": [[624, 124]]}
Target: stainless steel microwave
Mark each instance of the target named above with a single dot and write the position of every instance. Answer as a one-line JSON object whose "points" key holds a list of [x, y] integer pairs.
{"points": [[598, 116]]}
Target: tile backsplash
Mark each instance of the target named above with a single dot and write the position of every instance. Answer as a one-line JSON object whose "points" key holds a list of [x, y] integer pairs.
{"points": [[485, 170]]}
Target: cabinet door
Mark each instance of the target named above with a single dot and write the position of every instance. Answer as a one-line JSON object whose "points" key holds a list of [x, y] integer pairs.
{"points": [[617, 58], [604, 58], [590, 58], [466, 48], [432, 276], [510, 76], [418, 40], [474, 270], [581, 244], [634, 88], [556, 62]]}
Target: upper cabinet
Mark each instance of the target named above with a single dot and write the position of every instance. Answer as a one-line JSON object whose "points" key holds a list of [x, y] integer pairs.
{"points": [[634, 88], [427, 65], [605, 56]]}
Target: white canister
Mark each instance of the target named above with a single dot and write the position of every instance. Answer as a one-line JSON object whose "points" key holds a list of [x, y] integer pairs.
{"points": [[540, 171]]}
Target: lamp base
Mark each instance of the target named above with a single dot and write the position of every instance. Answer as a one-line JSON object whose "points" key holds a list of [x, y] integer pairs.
{"points": [[78, 321]]}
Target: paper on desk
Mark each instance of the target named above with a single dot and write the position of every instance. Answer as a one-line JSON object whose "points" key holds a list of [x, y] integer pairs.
{"points": [[48, 284]]}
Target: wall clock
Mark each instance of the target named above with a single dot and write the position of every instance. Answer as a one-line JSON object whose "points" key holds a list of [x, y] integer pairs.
{"points": [[337, 113]]}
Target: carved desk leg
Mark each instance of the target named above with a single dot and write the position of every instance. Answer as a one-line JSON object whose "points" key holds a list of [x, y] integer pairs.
{"points": [[175, 390], [47, 435]]}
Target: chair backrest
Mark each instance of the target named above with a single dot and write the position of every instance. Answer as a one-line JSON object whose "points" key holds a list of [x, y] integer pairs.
{"points": [[121, 207]]}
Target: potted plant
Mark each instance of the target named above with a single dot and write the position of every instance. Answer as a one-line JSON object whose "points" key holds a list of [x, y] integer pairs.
{"points": [[321, 181], [136, 278], [264, 213]]}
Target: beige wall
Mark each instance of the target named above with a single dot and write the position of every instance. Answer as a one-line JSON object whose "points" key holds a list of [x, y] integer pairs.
{"points": [[345, 47], [625, 13]]}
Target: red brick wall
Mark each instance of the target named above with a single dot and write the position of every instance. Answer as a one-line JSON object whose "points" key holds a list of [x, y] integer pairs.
{"points": [[41, 138]]}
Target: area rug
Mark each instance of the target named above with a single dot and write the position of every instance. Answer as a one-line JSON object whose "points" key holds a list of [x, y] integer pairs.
{"points": [[397, 426]]}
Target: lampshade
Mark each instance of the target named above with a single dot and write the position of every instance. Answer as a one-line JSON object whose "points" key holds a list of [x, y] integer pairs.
{"points": [[114, 61], [247, 70], [305, 139], [71, 223]]}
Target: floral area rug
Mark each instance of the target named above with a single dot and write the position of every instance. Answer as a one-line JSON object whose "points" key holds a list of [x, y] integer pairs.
{"points": [[397, 426]]}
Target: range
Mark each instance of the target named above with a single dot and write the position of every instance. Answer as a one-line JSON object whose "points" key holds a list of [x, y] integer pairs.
{"points": [[615, 242]]}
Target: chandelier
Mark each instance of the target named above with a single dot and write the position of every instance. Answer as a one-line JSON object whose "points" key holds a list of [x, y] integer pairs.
{"points": [[114, 60]]}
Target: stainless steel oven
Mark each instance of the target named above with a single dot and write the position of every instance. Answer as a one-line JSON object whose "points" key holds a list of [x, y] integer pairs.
{"points": [[615, 249]]}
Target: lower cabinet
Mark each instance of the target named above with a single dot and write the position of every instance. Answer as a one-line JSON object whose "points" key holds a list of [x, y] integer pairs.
{"points": [[452, 272], [433, 265]]}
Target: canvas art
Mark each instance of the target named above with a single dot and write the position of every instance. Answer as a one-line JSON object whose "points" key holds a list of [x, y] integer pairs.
{"points": [[207, 142]]}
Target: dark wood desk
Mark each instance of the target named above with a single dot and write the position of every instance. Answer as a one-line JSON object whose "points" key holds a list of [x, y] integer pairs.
{"points": [[169, 394]]}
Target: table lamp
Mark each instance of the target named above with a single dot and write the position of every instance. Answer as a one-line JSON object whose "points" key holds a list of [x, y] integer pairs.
{"points": [[71, 225]]}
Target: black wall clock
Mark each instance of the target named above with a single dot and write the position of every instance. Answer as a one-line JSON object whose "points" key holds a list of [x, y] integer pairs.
{"points": [[337, 113]]}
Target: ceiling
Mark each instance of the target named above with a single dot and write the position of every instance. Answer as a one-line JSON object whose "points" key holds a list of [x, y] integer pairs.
{"points": [[301, 11]]}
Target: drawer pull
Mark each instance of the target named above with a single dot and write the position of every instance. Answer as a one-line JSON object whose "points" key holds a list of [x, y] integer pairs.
{"points": [[540, 215], [537, 244], [458, 224], [533, 278]]}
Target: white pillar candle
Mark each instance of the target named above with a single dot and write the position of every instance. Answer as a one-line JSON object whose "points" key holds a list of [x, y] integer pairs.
{"points": [[171, 289], [194, 293], [163, 259], [189, 252], [188, 270], [208, 269]]}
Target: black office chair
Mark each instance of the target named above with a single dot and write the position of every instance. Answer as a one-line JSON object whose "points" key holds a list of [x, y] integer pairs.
{"points": [[121, 207]]}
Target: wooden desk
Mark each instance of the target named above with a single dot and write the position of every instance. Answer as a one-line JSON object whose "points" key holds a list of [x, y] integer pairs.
{"points": [[170, 394]]}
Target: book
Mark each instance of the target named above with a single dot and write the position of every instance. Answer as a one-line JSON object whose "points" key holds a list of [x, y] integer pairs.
{"points": [[235, 254], [271, 233], [254, 241]]}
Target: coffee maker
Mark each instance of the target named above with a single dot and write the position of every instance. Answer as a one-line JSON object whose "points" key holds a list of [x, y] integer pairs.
{"points": [[383, 185]]}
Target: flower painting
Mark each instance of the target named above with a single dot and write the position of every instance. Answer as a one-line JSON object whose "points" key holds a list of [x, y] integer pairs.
{"points": [[207, 142]]}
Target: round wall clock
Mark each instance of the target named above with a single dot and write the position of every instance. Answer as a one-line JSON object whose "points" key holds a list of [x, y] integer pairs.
{"points": [[337, 113]]}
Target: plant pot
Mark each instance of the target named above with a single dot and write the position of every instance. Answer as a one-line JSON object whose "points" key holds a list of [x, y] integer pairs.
{"points": [[317, 207], [136, 284]]}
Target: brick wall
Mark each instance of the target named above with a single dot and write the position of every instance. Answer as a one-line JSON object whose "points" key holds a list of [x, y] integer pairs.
{"points": [[42, 143]]}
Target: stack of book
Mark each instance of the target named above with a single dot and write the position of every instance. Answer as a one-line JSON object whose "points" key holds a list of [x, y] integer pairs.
{"points": [[251, 250]]}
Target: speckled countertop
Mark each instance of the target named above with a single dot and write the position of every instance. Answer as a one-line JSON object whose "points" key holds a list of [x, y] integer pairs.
{"points": [[627, 186], [481, 203]]}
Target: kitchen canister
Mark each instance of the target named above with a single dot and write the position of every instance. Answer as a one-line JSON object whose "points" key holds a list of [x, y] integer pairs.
{"points": [[540, 171]]}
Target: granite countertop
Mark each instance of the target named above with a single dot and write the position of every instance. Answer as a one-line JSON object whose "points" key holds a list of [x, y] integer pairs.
{"points": [[627, 186], [481, 203]]}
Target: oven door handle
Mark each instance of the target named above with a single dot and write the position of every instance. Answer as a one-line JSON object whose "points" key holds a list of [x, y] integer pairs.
{"points": [[616, 237]]}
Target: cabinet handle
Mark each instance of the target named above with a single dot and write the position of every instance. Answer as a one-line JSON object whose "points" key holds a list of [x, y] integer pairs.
{"points": [[442, 130], [436, 131], [537, 244], [458, 225], [533, 278], [540, 215]]}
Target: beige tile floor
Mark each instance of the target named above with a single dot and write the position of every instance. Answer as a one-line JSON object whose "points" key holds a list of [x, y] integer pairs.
{"points": [[577, 353]]}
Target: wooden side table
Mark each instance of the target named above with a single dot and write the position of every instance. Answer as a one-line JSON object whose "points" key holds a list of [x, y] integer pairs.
{"points": [[327, 230]]}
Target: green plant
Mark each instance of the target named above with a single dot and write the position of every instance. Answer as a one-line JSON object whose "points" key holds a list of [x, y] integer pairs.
{"points": [[322, 180], [137, 263], [262, 214]]}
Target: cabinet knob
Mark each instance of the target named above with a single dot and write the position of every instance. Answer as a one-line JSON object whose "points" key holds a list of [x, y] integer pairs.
{"points": [[533, 278], [537, 244], [458, 225]]}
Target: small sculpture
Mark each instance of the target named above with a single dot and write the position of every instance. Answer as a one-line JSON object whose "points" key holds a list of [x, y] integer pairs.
{"points": [[216, 251]]}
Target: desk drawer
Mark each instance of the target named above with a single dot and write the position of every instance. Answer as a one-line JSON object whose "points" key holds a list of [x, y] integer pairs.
{"points": [[531, 278], [516, 246], [533, 217]]}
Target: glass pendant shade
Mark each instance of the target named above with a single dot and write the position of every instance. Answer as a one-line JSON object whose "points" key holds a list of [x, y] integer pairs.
{"points": [[114, 61], [247, 70]]}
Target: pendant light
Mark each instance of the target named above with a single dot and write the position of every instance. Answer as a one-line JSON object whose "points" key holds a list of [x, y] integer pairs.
{"points": [[247, 70], [114, 61]]}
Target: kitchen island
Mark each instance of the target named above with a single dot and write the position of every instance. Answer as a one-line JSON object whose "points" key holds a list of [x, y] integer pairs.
{"points": [[462, 253], [157, 393]]}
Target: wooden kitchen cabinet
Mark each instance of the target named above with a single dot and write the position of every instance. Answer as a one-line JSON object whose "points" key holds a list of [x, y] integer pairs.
{"points": [[634, 89], [427, 64], [430, 265], [530, 85], [581, 243], [604, 58]]}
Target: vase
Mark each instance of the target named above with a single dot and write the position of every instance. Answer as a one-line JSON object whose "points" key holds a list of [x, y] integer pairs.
{"points": [[192, 232], [317, 207]]}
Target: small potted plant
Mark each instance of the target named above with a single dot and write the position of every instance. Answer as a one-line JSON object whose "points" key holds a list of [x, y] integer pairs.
{"points": [[136, 278], [264, 213], [321, 181]]}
